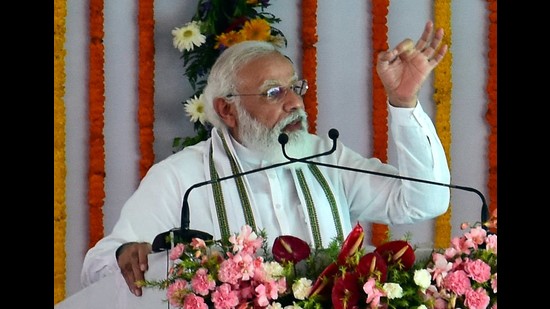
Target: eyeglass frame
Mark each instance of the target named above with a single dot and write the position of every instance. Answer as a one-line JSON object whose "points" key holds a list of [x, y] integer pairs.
{"points": [[300, 90]]}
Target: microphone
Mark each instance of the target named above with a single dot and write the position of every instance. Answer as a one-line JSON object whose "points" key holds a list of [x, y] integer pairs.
{"points": [[484, 208], [165, 241]]}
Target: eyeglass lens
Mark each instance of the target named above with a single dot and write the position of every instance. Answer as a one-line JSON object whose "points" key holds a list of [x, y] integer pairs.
{"points": [[299, 87]]}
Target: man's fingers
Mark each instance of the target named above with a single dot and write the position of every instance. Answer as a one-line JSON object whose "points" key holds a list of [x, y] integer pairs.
{"points": [[134, 262], [405, 47], [131, 274], [425, 37], [385, 58], [143, 252]]}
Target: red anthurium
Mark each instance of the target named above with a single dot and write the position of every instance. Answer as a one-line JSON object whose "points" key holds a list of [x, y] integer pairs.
{"points": [[346, 291], [373, 265], [397, 251], [287, 248], [351, 244], [324, 282]]}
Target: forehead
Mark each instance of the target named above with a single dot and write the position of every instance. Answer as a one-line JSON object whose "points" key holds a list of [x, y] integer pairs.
{"points": [[272, 68]]}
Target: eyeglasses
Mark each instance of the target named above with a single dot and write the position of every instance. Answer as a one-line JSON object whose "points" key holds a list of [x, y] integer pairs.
{"points": [[276, 94]]}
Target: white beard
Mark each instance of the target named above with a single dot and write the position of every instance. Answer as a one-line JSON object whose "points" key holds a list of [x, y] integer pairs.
{"points": [[256, 136]]}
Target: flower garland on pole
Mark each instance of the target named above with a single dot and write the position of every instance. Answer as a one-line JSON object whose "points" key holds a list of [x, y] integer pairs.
{"points": [[309, 60], [491, 114], [443, 87], [96, 92], [60, 170], [379, 100], [146, 86]]}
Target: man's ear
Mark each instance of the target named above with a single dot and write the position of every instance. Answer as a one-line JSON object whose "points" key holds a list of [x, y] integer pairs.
{"points": [[226, 111]]}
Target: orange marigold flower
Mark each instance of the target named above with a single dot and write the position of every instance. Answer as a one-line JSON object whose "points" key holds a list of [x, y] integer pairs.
{"points": [[227, 39], [256, 29]]}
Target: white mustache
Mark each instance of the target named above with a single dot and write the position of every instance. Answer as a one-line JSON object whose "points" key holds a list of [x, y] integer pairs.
{"points": [[295, 116]]}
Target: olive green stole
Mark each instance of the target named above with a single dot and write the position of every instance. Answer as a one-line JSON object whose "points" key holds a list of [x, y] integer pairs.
{"points": [[247, 208]]}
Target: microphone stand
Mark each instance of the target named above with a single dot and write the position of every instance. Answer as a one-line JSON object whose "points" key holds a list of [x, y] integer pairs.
{"points": [[484, 207], [166, 240]]}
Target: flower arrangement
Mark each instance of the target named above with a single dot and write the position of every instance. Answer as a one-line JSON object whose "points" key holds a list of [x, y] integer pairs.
{"points": [[240, 272], [216, 25]]}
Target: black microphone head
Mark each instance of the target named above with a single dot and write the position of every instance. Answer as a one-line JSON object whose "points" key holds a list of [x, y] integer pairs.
{"points": [[283, 138], [333, 134]]}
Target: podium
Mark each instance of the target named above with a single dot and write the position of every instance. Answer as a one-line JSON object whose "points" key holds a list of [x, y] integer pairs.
{"points": [[112, 291]]}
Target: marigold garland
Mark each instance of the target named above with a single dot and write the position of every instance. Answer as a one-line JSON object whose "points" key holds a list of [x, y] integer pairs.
{"points": [[146, 87], [60, 170], [491, 114], [96, 92], [379, 100], [309, 59], [442, 96]]}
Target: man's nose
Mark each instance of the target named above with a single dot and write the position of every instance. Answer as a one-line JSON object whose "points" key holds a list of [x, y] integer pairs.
{"points": [[292, 101]]}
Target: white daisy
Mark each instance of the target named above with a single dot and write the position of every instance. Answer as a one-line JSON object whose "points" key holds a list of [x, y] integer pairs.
{"points": [[194, 108], [188, 36]]}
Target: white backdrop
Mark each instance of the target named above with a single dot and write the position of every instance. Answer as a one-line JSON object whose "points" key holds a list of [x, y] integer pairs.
{"points": [[344, 72]]}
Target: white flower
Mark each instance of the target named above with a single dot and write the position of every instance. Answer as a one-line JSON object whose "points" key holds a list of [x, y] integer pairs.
{"points": [[188, 36], [422, 307], [194, 108], [274, 305], [393, 290], [301, 288], [273, 270], [422, 278]]}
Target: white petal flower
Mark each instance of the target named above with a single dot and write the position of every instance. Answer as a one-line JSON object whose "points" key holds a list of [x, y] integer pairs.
{"points": [[273, 270], [194, 108], [422, 278], [393, 290], [188, 36], [274, 305], [301, 288]]}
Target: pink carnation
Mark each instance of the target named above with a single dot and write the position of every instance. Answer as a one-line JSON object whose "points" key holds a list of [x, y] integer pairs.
{"points": [[229, 272], [176, 292], [224, 298], [478, 270], [477, 299], [202, 284], [457, 282], [176, 252], [476, 235], [193, 301]]}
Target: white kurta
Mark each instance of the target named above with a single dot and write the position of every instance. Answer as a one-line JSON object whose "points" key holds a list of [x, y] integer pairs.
{"points": [[277, 202]]}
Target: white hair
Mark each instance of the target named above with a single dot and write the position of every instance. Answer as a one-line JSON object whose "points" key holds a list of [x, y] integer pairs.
{"points": [[222, 79]]}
